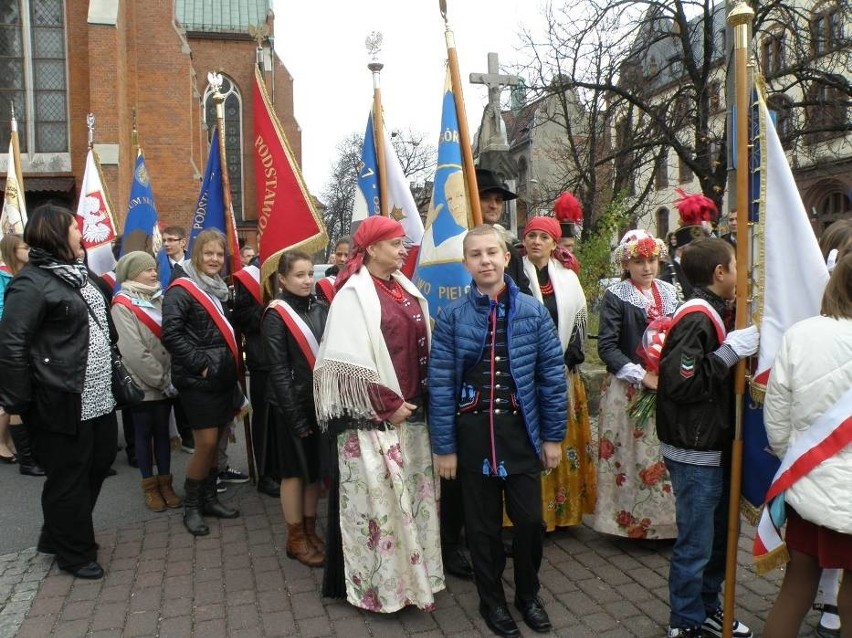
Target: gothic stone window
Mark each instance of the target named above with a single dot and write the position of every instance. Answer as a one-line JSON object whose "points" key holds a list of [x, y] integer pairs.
{"points": [[662, 222], [32, 74], [233, 137], [661, 172], [781, 106]]}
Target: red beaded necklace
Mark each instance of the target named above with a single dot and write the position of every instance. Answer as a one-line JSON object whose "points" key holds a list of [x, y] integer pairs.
{"points": [[654, 309], [546, 289], [392, 289]]}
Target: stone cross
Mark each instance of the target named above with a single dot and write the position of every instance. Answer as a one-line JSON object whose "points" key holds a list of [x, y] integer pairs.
{"points": [[492, 134]]}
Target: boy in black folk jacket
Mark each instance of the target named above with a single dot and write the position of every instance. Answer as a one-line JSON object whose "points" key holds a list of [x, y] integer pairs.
{"points": [[695, 424]]}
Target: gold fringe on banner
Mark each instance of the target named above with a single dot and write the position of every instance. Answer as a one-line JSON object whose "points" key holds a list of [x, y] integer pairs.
{"points": [[778, 557]]}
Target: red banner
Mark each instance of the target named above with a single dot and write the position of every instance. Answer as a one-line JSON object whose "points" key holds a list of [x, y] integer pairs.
{"points": [[286, 214]]}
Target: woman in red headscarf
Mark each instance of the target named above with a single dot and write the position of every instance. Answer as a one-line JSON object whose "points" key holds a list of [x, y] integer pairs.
{"points": [[383, 549], [568, 491]]}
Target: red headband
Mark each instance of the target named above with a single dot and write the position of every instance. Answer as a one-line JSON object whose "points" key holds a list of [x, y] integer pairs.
{"points": [[372, 230], [544, 224]]}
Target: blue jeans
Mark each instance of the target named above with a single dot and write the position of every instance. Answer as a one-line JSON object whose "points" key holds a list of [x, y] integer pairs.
{"points": [[698, 559]]}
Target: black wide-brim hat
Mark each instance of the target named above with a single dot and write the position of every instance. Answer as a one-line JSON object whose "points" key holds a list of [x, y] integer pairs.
{"points": [[687, 234], [487, 181]]}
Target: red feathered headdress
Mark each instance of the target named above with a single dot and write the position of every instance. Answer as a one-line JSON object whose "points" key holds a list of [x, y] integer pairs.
{"points": [[695, 209], [567, 209]]}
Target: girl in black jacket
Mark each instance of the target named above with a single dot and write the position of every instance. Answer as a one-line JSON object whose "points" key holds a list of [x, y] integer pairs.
{"points": [[201, 342], [292, 329]]}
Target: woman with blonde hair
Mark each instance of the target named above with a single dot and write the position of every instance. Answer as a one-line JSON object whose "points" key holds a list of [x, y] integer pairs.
{"points": [[205, 362]]}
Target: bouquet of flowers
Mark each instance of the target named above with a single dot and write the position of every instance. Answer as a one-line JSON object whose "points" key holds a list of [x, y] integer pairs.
{"points": [[644, 402]]}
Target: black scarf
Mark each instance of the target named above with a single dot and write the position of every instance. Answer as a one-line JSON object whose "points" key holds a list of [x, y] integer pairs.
{"points": [[72, 273]]}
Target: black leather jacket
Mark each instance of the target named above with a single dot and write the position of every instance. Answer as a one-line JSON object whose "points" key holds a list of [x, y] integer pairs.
{"points": [[246, 318], [290, 377], [195, 343], [695, 407], [44, 346]]}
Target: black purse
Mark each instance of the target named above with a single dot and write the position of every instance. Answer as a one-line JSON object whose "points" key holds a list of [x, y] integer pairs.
{"points": [[124, 389]]}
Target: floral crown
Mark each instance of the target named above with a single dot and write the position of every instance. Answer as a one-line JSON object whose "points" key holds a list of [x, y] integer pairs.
{"points": [[638, 244]]}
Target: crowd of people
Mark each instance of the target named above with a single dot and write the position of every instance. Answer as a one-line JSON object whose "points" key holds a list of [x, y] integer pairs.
{"points": [[444, 443]]}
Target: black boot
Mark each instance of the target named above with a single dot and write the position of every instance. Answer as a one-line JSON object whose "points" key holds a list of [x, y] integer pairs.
{"points": [[210, 500], [26, 463], [192, 518]]}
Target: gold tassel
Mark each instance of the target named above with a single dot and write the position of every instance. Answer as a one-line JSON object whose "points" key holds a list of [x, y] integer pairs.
{"points": [[778, 557], [750, 512]]}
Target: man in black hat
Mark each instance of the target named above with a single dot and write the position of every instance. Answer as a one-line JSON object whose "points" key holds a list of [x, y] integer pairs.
{"points": [[492, 194]]}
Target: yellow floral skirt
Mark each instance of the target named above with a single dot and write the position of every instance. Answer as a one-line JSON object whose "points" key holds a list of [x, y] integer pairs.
{"points": [[569, 491]]}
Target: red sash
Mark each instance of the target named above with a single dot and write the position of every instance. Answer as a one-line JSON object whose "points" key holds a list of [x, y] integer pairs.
{"points": [[299, 329], [215, 314], [144, 318], [327, 287], [699, 305], [109, 277], [249, 277]]}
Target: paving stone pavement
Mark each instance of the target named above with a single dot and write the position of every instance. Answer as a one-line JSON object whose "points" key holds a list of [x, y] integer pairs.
{"points": [[237, 582]]}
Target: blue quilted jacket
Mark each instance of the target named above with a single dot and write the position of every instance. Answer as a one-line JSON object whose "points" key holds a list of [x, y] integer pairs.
{"points": [[535, 360]]}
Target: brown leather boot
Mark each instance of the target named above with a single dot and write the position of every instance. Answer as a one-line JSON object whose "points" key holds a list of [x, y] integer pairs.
{"points": [[300, 549], [164, 482], [153, 499], [311, 534]]}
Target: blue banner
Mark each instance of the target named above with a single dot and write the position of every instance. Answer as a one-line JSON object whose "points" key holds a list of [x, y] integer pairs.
{"points": [[141, 231], [210, 208], [440, 275]]}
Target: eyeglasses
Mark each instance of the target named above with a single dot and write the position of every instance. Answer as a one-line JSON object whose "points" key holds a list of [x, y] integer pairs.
{"points": [[171, 240]]}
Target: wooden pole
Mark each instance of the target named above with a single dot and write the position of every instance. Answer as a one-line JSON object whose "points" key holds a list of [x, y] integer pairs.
{"points": [[379, 138], [231, 230], [461, 113], [740, 19]]}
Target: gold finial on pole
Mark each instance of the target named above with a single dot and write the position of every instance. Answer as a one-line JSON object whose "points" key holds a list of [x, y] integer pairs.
{"points": [[134, 133], [374, 47]]}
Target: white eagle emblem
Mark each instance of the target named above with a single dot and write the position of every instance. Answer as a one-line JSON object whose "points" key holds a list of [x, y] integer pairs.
{"points": [[96, 225]]}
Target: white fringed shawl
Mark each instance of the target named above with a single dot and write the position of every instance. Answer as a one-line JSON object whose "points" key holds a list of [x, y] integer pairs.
{"points": [[353, 353], [570, 299]]}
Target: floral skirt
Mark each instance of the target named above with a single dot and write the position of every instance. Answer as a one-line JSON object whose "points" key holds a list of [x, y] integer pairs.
{"points": [[568, 492], [634, 491], [389, 518]]}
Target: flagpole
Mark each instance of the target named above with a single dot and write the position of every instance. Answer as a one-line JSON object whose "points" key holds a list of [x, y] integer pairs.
{"points": [[215, 80], [464, 132], [374, 45], [740, 20], [16, 144]]}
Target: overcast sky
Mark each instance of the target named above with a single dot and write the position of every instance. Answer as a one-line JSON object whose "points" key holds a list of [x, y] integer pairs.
{"points": [[322, 45]]}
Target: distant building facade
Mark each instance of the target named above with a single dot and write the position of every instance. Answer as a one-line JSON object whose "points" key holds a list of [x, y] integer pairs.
{"points": [[145, 62]]}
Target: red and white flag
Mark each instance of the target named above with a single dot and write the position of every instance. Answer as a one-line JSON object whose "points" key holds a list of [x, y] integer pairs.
{"points": [[287, 217], [94, 217]]}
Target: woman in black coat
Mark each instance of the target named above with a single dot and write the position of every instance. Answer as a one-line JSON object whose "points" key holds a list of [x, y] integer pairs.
{"points": [[55, 345], [205, 359], [291, 330]]}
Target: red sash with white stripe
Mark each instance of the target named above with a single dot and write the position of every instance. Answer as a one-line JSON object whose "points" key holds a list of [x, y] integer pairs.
{"points": [[148, 317], [249, 277], [215, 314], [300, 330], [109, 278], [829, 434], [699, 305], [327, 287]]}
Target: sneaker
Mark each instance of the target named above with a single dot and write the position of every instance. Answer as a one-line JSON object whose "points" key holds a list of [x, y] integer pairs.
{"points": [[684, 632], [230, 475], [220, 486], [713, 625]]}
